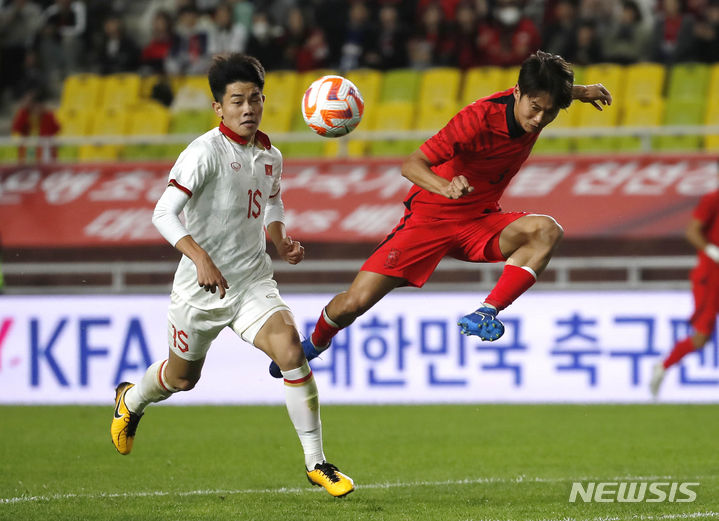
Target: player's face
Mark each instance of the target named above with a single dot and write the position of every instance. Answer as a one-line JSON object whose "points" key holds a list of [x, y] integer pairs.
{"points": [[533, 113], [241, 108]]}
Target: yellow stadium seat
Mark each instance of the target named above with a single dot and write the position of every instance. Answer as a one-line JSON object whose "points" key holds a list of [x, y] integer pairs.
{"points": [[73, 123], [713, 82], [111, 121], [281, 89], [198, 82], [509, 77], [643, 112], [400, 85], [369, 83], [146, 119], [440, 87], [643, 81], [586, 115], [679, 111], [480, 82], [612, 76], [711, 142], [688, 81], [393, 115], [80, 91], [277, 118], [120, 90]]}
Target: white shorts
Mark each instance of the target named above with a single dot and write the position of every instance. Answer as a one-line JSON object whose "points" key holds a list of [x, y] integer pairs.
{"points": [[190, 330]]}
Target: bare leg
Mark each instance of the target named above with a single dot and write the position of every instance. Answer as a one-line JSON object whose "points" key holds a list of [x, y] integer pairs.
{"points": [[530, 241], [366, 290]]}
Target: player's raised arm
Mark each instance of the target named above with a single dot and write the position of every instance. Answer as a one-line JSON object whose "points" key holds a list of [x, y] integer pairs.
{"points": [[595, 94], [417, 169]]}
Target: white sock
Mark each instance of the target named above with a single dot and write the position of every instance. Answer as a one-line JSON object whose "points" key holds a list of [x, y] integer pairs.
{"points": [[152, 388], [303, 406]]}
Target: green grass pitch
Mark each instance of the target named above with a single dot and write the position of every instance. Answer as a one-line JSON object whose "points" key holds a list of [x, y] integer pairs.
{"points": [[439, 462]]}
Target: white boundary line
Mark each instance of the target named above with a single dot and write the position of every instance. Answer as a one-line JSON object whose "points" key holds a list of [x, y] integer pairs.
{"points": [[467, 481]]}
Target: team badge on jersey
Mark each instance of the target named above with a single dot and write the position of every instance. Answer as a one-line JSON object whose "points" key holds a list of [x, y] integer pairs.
{"points": [[268, 169], [392, 258]]}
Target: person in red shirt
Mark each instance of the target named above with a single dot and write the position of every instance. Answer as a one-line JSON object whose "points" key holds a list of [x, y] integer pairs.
{"points": [[459, 175], [702, 232], [33, 118]]}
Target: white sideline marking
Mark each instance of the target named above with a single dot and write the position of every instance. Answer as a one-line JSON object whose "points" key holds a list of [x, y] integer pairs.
{"points": [[467, 481]]}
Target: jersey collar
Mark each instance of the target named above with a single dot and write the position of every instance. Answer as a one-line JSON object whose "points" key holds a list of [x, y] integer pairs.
{"points": [[515, 130], [261, 138]]}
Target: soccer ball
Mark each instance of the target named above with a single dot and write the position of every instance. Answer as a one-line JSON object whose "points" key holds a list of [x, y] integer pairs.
{"points": [[332, 106]]}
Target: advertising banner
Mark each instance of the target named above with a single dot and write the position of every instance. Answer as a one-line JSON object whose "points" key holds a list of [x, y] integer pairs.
{"points": [[353, 200], [580, 347]]}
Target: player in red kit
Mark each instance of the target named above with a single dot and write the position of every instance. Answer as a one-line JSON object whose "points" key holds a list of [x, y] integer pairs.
{"points": [[453, 210], [703, 233]]}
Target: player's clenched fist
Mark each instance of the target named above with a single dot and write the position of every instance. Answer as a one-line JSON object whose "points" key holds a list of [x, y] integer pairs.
{"points": [[457, 187], [291, 251]]}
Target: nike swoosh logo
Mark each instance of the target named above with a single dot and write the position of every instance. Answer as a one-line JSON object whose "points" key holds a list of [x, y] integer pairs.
{"points": [[117, 409]]}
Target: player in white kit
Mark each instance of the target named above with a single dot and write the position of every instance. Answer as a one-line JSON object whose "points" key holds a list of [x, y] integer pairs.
{"points": [[227, 181]]}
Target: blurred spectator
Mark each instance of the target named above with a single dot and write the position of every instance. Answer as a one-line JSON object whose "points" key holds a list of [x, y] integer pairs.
{"points": [[226, 35], [511, 38], [704, 44], [33, 118], [304, 46], [671, 36], [560, 33], [463, 51], [328, 15], [190, 52], [163, 40], [242, 11], [587, 48], [31, 77], [430, 45], [116, 51], [263, 43], [628, 39], [601, 12], [19, 22], [162, 90], [64, 28], [359, 37], [389, 49]]}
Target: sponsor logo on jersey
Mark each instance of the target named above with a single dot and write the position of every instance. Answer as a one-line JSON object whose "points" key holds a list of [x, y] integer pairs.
{"points": [[235, 166]]}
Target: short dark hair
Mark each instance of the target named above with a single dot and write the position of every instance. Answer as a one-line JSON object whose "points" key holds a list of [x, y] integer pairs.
{"points": [[229, 68], [546, 72]]}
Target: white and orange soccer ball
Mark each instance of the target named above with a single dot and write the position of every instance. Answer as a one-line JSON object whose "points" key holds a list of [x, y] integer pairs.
{"points": [[332, 106]]}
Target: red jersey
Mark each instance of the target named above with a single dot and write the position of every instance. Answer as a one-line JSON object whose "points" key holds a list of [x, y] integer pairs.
{"points": [[484, 143], [707, 212]]}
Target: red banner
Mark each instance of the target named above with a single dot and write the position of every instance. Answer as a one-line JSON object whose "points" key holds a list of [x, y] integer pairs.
{"points": [[354, 200]]}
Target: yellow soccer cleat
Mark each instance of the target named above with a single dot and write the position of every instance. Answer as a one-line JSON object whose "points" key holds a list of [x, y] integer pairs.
{"points": [[124, 422], [328, 476]]}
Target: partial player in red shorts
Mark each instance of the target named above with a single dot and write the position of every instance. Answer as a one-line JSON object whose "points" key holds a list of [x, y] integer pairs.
{"points": [[459, 175], [703, 233]]}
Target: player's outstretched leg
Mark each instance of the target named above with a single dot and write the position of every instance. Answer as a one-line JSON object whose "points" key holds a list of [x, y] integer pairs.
{"points": [[655, 383], [124, 422], [482, 323], [328, 476], [311, 353]]}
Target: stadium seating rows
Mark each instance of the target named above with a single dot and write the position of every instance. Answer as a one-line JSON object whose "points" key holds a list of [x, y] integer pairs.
{"points": [[645, 94]]}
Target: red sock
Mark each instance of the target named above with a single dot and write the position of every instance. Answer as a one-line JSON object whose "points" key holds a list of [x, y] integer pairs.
{"points": [[681, 349], [512, 283], [324, 332]]}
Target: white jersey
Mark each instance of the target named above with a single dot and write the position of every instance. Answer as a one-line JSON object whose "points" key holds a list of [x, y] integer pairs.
{"points": [[229, 184]]}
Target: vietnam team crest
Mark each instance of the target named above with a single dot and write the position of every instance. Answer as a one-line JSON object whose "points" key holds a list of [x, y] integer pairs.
{"points": [[268, 169]]}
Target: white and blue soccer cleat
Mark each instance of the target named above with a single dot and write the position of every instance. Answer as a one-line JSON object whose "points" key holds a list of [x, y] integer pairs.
{"points": [[310, 354], [482, 323]]}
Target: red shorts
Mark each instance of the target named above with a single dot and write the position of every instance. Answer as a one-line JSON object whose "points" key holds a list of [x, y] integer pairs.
{"points": [[705, 286], [414, 248]]}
